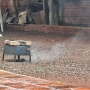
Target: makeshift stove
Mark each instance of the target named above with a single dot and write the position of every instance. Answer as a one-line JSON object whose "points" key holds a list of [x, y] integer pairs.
{"points": [[17, 48]]}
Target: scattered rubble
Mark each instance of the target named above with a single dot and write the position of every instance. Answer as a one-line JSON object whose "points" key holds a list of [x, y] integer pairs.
{"points": [[28, 16]]}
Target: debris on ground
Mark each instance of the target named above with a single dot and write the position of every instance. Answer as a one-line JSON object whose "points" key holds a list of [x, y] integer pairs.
{"points": [[22, 17], [17, 42], [28, 16]]}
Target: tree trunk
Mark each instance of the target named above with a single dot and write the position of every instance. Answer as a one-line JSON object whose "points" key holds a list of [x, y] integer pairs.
{"points": [[50, 12], [18, 5], [14, 9], [53, 12], [46, 11], [56, 12]]}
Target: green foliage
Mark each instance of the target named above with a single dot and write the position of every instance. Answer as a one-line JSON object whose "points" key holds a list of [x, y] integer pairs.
{"points": [[3, 67], [40, 69], [15, 69]]}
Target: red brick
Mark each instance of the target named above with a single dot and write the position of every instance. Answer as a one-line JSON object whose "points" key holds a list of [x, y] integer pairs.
{"points": [[66, 30]]}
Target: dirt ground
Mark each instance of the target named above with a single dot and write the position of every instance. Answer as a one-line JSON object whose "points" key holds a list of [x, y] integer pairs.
{"points": [[63, 59]]}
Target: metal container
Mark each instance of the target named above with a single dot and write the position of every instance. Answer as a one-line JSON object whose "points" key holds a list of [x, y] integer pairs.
{"points": [[17, 50]]}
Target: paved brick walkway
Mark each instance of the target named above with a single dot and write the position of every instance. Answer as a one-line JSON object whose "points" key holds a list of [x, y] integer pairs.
{"points": [[11, 81]]}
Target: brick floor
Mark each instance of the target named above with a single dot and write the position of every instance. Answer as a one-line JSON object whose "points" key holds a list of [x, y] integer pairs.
{"points": [[11, 81]]}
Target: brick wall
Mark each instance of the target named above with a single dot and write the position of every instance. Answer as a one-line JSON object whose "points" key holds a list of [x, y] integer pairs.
{"points": [[76, 13], [64, 30], [5, 4], [71, 13]]}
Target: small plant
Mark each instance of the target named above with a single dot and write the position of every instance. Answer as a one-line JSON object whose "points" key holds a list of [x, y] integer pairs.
{"points": [[15, 69], [3, 67], [40, 69]]}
